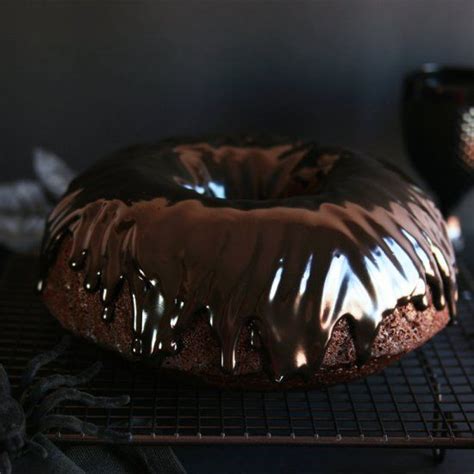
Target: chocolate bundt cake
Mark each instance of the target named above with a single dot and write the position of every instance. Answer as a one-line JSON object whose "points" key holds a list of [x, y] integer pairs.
{"points": [[249, 263]]}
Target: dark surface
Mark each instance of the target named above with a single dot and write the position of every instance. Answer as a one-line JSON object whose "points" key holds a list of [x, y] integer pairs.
{"points": [[320, 460]]}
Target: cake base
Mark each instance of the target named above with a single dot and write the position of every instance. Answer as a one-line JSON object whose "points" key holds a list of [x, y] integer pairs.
{"points": [[401, 331]]}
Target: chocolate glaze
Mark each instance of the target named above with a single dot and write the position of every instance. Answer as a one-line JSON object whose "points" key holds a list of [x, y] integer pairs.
{"points": [[287, 237]]}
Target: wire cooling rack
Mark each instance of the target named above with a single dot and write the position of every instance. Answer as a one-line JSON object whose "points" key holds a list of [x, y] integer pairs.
{"points": [[424, 400]]}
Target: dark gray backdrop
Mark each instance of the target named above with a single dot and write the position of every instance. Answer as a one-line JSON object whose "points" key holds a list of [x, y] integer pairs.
{"points": [[83, 78]]}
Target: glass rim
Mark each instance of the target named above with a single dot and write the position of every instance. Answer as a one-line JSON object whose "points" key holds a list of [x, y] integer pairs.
{"points": [[437, 82], [444, 75]]}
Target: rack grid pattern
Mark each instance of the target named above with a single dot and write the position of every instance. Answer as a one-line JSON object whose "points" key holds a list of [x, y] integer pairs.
{"points": [[424, 400]]}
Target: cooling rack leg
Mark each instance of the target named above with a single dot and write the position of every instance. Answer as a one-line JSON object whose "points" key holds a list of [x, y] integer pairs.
{"points": [[439, 427], [438, 455]]}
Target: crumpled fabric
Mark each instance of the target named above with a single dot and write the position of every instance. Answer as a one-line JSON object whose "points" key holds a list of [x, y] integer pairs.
{"points": [[25, 204]]}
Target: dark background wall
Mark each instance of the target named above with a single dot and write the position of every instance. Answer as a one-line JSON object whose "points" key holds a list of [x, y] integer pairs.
{"points": [[83, 78]]}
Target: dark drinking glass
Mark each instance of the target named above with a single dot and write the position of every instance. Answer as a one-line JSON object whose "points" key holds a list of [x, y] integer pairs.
{"points": [[438, 128]]}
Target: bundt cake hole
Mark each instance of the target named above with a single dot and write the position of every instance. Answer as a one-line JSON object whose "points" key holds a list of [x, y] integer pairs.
{"points": [[254, 174]]}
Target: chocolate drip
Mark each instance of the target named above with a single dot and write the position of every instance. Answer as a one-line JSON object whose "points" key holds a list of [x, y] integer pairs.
{"points": [[288, 237]]}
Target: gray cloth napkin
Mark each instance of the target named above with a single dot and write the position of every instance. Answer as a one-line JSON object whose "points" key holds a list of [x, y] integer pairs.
{"points": [[25, 204]]}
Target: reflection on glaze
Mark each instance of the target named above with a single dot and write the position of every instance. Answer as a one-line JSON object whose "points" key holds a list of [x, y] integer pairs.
{"points": [[276, 281], [288, 238]]}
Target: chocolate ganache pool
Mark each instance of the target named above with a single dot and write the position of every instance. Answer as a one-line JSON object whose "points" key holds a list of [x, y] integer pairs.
{"points": [[284, 237]]}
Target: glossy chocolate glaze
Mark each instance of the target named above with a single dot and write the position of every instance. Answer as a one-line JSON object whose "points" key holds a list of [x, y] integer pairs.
{"points": [[287, 237]]}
